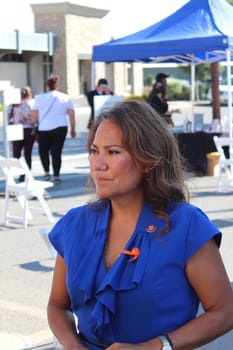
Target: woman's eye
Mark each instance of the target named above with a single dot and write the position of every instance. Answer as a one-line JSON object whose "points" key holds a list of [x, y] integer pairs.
{"points": [[113, 151], [92, 151]]}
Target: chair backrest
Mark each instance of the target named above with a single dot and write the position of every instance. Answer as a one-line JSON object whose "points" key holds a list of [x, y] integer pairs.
{"points": [[11, 168], [26, 169], [220, 143], [29, 188]]}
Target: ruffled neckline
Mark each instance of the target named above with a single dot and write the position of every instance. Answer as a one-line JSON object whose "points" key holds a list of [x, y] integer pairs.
{"points": [[123, 275]]}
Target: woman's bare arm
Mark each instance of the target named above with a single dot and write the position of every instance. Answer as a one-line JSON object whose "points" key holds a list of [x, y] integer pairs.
{"points": [[60, 317], [207, 275], [71, 115]]}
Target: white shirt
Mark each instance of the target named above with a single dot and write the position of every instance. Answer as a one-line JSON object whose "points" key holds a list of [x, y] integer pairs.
{"points": [[52, 107]]}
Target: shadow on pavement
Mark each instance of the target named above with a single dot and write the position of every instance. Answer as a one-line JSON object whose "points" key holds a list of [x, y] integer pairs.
{"points": [[220, 223], [36, 266], [213, 194]]}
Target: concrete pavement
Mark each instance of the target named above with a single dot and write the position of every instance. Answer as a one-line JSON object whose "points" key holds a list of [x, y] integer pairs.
{"points": [[26, 264]]}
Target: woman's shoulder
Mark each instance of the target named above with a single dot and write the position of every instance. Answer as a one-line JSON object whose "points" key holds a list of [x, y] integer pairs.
{"points": [[78, 211], [87, 213], [187, 212], [189, 215], [74, 217], [184, 207], [39, 98], [78, 223], [192, 221], [61, 95]]}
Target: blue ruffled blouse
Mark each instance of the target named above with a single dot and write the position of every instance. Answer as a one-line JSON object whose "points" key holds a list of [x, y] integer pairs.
{"points": [[133, 301]]}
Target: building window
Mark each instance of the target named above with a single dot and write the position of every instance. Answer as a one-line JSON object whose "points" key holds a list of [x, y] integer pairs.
{"points": [[11, 58], [47, 68]]}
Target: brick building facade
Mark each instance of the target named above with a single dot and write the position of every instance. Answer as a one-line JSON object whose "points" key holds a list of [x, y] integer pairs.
{"points": [[77, 29]]}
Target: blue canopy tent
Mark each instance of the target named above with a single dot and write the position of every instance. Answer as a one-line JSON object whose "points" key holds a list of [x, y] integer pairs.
{"points": [[200, 31]]}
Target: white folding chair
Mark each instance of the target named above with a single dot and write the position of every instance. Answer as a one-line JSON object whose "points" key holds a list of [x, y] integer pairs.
{"points": [[12, 168], [225, 170]]}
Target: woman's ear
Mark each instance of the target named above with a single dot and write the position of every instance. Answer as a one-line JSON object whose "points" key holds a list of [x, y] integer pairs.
{"points": [[147, 168]]}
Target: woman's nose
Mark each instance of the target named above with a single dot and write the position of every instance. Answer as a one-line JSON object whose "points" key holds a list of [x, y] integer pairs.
{"points": [[100, 163]]}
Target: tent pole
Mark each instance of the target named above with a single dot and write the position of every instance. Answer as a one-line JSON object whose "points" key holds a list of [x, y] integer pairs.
{"points": [[5, 122], [192, 93], [93, 75], [228, 57]]}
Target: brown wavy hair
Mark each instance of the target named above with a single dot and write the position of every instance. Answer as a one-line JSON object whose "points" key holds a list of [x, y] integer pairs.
{"points": [[52, 82], [148, 139]]}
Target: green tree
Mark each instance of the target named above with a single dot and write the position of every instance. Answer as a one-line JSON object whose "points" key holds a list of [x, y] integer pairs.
{"points": [[148, 80]]}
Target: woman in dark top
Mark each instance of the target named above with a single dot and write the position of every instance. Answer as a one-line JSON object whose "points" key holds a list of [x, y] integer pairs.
{"points": [[158, 101]]}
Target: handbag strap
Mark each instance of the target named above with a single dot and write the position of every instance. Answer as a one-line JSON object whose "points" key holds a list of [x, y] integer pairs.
{"points": [[47, 110]]}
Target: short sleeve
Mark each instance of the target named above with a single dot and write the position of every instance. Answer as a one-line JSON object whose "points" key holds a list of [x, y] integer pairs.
{"points": [[68, 230], [200, 230], [58, 235], [70, 104], [73, 231]]}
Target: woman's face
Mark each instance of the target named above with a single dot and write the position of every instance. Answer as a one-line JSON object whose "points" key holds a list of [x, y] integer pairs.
{"points": [[114, 171]]}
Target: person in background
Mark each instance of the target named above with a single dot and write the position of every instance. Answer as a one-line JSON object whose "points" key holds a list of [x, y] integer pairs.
{"points": [[134, 264], [159, 103], [101, 89], [50, 112], [20, 114], [158, 100], [161, 80]]}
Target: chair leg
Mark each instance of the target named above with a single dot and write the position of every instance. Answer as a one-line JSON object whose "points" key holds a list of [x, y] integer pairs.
{"points": [[219, 181], [6, 209], [23, 200], [25, 211], [46, 208]]}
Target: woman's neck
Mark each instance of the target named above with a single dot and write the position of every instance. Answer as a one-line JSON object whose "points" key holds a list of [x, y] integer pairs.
{"points": [[127, 208]]}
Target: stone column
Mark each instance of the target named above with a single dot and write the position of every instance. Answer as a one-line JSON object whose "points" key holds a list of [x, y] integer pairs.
{"points": [[77, 29], [137, 79]]}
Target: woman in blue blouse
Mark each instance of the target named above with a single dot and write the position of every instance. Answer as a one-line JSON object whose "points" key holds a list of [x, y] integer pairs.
{"points": [[133, 265]]}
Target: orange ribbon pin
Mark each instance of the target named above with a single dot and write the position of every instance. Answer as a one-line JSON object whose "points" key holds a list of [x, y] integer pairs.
{"points": [[135, 252]]}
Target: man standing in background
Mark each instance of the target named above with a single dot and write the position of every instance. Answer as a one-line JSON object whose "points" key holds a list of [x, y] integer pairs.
{"points": [[101, 89]]}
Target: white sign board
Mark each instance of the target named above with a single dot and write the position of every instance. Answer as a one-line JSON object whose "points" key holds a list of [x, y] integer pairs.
{"points": [[14, 132], [104, 102], [12, 95], [198, 121]]}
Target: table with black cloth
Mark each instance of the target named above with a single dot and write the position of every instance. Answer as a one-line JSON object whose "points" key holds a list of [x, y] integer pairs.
{"points": [[194, 148]]}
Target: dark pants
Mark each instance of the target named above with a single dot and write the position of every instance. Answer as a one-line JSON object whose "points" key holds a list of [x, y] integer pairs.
{"points": [[27, 144], [90, 121], [51, 142]]}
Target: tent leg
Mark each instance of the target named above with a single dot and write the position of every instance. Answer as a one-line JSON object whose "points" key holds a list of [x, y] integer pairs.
{"points": [[228, 57], [93, 73], [192, 93]]}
